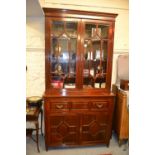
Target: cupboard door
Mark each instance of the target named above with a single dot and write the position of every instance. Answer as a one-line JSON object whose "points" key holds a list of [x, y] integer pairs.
{"points": [[63, 53], [93, 128], [96, 46], [63, 129]]}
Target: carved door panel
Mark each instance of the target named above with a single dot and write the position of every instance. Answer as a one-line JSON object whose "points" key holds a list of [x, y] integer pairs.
{"points": [[94, 127], [64, 129]]}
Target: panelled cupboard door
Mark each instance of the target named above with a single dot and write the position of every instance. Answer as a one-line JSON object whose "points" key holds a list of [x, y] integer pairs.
{"points": [[78, 129], [63, 129], [94, 128]]}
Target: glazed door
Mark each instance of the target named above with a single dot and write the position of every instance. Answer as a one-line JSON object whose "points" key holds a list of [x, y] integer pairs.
{"points": [[97, 47], [78, 53], [63, 54]]}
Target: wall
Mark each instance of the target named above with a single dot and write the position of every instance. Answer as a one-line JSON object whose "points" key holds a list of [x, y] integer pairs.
{"points": [[35, 36], [35, 57]]}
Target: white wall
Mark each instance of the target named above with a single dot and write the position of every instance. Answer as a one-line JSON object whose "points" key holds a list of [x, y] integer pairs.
{"points": [[35, 56], [35, 36]]}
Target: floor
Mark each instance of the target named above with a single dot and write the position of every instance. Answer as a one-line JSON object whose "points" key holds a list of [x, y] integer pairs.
{"points": [[114, 149]]}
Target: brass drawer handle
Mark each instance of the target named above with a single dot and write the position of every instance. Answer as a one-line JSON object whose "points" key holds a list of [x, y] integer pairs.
{"points": [[59, 106], [99, 105]]}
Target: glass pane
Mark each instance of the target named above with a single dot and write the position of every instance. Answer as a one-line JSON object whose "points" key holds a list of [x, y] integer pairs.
{"points": [[73, 57], [70, 78], [103, 31], [71, 29], [99, 65], [59, 62], [57, 28], [94, 72], [90, 30], [88, 71], [63, 56], [95, 55]]}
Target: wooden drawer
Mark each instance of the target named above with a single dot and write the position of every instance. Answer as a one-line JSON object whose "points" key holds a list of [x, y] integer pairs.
{"points": [[101, 105], [80, 105], [59, 106]]}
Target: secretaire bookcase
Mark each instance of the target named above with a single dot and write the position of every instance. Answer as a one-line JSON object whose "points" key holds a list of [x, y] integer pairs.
{"points": [[78, 102]]}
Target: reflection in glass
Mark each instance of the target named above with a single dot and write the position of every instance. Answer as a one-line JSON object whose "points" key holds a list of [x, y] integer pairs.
{"points": [[71, 29], [57, 28], [103, 31], [90, 30]]}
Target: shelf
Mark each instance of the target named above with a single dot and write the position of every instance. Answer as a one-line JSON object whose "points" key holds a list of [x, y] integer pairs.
{"points": [[96, 40]]}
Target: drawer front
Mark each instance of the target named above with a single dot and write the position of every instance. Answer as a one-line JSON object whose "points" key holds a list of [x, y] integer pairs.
{"points": [[101, 104], [59, 106], [80, 105], [73, 104]]}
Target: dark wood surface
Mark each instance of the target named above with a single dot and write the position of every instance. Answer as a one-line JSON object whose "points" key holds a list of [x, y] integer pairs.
{"points": [[54, 12], [80, 116], [73, 120], [89, 92]]}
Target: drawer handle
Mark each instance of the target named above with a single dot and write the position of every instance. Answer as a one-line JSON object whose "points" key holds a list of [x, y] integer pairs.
{"points": [[60, 106], [99, 105]]}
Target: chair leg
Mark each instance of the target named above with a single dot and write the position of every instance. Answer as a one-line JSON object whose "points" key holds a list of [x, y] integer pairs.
{"points": [[41, 122], [37, 135]]}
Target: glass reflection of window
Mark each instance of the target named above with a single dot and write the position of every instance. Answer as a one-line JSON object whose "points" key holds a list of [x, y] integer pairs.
{"points": [[65, 56]]}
